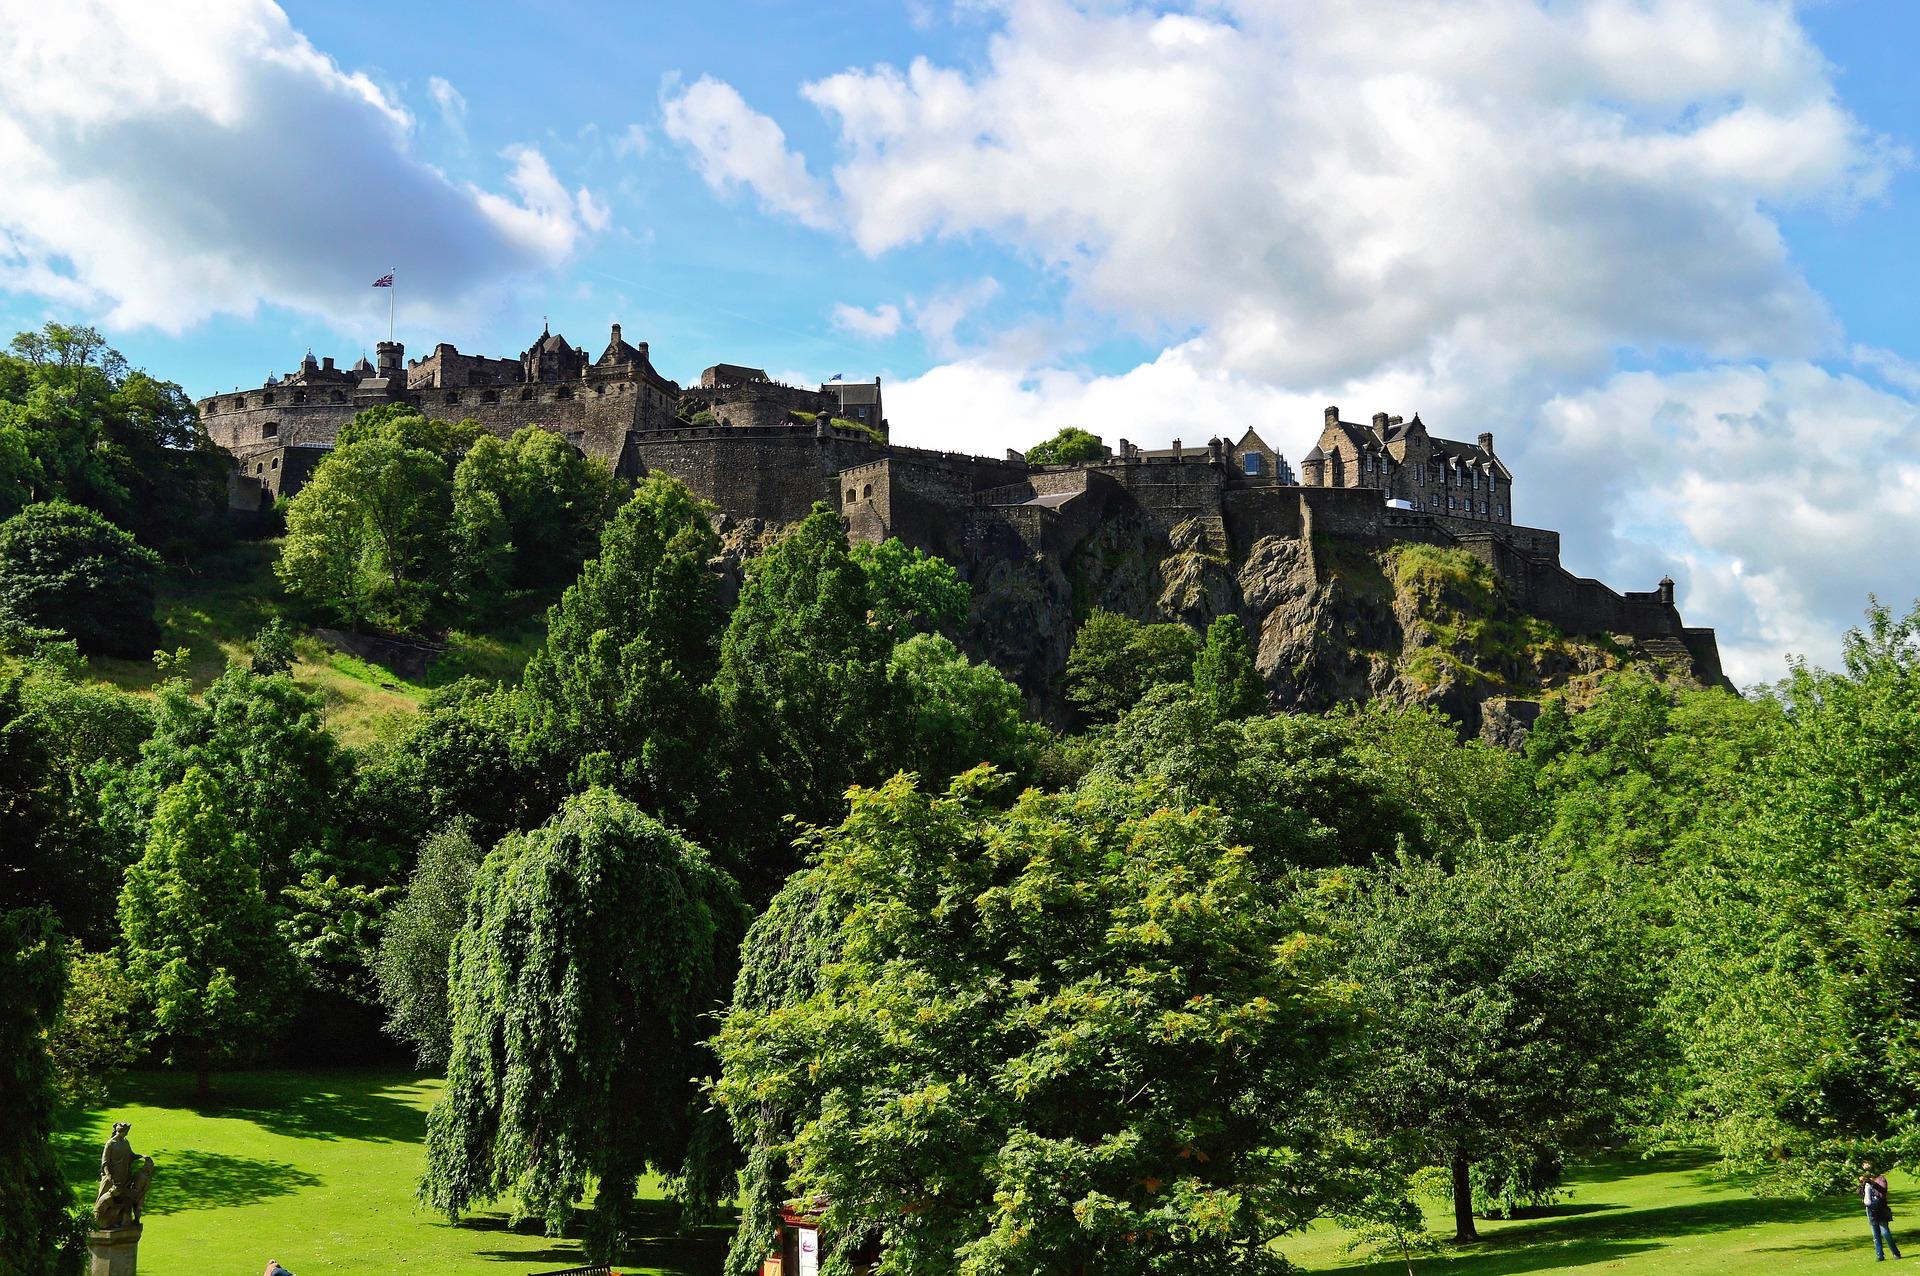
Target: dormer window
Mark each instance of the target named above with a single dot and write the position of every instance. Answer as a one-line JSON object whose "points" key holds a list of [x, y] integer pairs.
{"points": [[1252, 462]]}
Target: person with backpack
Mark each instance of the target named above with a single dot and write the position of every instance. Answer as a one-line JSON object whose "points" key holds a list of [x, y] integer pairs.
{"points": [[1873, 1195]]}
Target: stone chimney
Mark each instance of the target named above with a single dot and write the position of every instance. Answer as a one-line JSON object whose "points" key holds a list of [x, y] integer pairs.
{"points": [[1380, 422], [1486, 443], [616, 334], [1333, 415], [1176, 449], [326, 364], [1395, 420]]}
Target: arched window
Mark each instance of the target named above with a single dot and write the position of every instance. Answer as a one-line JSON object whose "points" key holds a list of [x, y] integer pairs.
{"points": [[851, 498], [866, 493]]}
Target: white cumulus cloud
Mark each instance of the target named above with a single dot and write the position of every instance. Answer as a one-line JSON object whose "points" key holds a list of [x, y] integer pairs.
{"points": [[735, 146], [164, 163], [877, 324]]}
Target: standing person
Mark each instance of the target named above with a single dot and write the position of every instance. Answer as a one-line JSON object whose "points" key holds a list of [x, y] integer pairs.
{"points": [[1873, 1195]]}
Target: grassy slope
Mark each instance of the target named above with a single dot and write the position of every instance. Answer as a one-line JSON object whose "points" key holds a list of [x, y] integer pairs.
{"points": [[317, 1169], [214, 606]]}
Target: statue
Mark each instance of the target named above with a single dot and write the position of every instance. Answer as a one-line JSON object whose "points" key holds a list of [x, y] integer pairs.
{"points": [[123, 1184]]}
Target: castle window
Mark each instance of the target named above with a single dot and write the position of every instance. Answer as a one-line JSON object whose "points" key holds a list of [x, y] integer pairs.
{"points": [[267, 399], [274, 464], [299, 396], [489, 396], [866, 493], [338, 396], [453, 396], [270, 430], [1450, 502], [259, 467], [1252, 462], [851, 498], [563, 392], [526, 394], [1499, 511]]}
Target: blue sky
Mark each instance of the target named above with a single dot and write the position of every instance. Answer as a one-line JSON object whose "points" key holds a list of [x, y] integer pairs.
{"points": [[1662, 248]]}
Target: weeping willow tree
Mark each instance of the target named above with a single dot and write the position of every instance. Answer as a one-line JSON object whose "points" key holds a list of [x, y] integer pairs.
{"points": [[595, 950]]}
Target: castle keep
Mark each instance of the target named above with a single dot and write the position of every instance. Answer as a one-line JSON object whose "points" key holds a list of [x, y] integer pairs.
{"points": [[763, 453]]}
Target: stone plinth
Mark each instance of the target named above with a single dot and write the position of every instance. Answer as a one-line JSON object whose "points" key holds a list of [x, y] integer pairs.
{"points": [[113, 1253]]}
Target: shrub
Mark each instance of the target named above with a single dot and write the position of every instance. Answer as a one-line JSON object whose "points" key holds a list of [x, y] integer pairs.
{"points": [[67, 568]]}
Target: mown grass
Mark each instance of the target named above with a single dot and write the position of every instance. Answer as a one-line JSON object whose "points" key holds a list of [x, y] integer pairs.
{"points": [[318, 1168]]}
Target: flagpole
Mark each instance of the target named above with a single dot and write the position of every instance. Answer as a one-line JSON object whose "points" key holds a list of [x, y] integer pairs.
{"points": [[394, 274]]}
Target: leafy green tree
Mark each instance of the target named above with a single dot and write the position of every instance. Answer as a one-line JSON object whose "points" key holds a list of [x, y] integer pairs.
{"points": [[1636, 775], [1116, 661], [527, 512], [263, 742], [37, 1235], [366, 537], [272, 649], [594, 948], [955, 714], [1224, 672], [1793, 982], [803, 692], [96, 1034], [913, 592], [1071, 445], [1053, 1039], [1290, 786], [471, 755], [616, 696], [1459, 790], [77, 424], [65, 568], [1509, 1011], [200, 942], [417, 940]]}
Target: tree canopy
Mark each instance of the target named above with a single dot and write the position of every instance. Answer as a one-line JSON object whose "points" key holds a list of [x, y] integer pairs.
{"points": [[67, 569], [593, 950], [1069, 445], [1055, 1038]]}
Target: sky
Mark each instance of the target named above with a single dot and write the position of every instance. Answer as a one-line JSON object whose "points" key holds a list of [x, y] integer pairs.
{"points": [[1662, 249]]}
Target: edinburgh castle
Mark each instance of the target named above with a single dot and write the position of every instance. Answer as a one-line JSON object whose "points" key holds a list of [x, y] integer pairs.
{"points": [[763, 453]]}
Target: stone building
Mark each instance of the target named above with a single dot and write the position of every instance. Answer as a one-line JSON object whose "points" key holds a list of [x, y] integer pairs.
{"points": [[762, 454], [1436, 476]]}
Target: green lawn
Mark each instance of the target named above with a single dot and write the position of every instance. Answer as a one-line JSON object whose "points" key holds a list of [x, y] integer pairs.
{"points": [[317, 1170]]}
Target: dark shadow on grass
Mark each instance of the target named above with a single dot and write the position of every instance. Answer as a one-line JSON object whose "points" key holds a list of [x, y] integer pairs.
{"points": [[329, 1105], [657, 1241], [1624, 1165], [190, 1179]]}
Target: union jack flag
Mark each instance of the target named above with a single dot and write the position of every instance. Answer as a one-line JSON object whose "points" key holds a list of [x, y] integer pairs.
{"points": [[384, 281]]}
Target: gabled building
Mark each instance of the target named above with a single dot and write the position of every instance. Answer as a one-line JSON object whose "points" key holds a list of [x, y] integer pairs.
{"points": [[1444, 477]]}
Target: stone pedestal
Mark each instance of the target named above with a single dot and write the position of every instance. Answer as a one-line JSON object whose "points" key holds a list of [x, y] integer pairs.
{"points": [[113, 1253]]}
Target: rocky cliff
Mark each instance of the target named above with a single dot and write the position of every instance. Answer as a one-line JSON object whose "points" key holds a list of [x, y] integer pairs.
{"points": [[1333, 621]]}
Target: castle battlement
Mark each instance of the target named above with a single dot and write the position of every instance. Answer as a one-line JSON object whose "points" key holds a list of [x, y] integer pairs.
{"points": [[760, 450]]}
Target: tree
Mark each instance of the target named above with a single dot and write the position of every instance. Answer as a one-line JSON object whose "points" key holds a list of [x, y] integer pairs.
{"points": [[802, 690], [200, 943], [1116, 661], [955, 714], [1292, 787], [96, 1034], [593, 949], [68, 569], [527, 512], [1792, 987], [417, 940], [264, 744], [913, 592], [1507, 1005], [367, 535], [1054, 1038], [616, 696], [272, 649], [1461, 791], [37, 1234], [77, 424], [1068, 447], [1224, 673]]}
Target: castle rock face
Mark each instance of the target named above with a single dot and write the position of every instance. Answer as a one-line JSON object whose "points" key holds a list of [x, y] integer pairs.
{"points": [[1314, 564]]}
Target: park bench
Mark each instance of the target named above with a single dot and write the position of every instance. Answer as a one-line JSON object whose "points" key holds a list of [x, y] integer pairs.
{"points": [[600, 1270]]}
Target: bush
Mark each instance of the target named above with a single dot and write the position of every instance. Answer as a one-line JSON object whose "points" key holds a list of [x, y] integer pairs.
{"points": [[67, 568]]}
